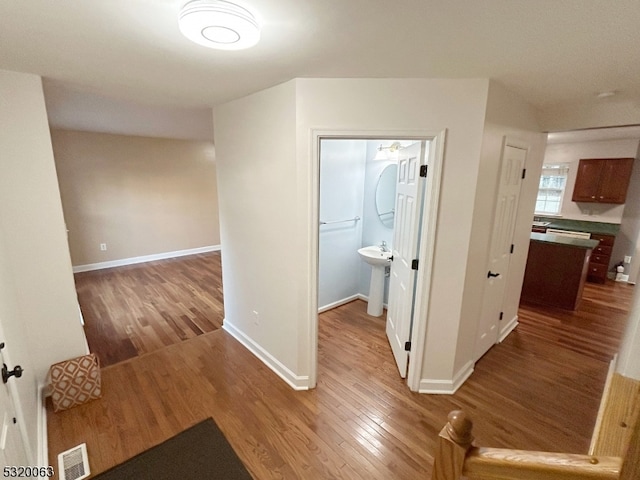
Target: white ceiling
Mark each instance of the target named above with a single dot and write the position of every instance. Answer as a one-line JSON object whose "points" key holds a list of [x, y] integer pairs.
{"points": [[550, 52]]}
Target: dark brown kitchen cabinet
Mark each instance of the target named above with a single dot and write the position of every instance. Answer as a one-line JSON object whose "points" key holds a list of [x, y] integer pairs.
{"points": [[602, 180], [600, 258]]}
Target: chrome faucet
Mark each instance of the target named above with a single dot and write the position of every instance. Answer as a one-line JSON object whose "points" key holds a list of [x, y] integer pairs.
{"points": [[383, 246]]}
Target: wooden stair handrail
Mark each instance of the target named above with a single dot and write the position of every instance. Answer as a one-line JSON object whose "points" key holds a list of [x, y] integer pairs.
{"points": [[528, 465], [455, 456]]}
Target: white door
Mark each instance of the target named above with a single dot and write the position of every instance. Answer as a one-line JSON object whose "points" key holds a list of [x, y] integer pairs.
{"points": [[506, 209], [12, 452], [405, 246]]}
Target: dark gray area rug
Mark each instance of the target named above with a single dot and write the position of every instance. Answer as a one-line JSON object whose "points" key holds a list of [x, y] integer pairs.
{"points": [[199, 453]]}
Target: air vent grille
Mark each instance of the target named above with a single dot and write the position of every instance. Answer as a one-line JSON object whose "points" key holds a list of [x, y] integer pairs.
{"points": [[74, 463]]}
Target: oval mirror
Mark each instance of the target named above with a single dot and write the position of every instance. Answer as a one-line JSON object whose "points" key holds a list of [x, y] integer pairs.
{"points": [[386, 195]]}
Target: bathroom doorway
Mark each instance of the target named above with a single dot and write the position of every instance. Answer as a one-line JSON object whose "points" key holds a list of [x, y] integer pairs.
{"points": [[358, 207]]}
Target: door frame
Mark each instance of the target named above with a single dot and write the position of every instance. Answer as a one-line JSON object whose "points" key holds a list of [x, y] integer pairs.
{"points": [[426, 248], [513, 142]]}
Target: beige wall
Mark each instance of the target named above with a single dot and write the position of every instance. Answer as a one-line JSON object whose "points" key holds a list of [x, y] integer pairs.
{"points": [[139, 195], [38, 303]]}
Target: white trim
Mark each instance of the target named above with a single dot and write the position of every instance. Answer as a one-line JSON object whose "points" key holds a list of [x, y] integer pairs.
{"points": [[508, 328], [426, 253], [446, 387], [295, 381], [42, 438], [344, 301], [145, 258], [426, 250]]}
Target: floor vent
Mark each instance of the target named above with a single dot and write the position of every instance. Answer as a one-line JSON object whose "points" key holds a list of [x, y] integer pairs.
{"points": [[74, 463]]}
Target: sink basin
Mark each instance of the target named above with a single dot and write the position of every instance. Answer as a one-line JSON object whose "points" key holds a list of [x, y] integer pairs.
{"points": [[374, 255], [378, 260]]}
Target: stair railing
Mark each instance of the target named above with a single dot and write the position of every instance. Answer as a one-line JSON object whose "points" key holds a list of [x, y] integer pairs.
{"points": [[457, 458]]}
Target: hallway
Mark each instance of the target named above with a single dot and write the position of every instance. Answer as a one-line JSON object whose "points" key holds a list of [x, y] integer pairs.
{"points": [[538, 390]]}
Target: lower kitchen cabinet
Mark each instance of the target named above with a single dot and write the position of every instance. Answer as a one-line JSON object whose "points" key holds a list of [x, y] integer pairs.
{"points": [[600, 258], [556, 272]]}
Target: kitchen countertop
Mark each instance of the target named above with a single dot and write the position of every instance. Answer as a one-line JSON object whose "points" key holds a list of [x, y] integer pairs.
{"points": [[581, 226], [559, 239]]}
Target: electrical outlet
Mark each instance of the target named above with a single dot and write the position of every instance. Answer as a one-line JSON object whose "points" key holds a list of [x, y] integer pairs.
{"points": [[103, 247], [627, 259], [256, 318]]}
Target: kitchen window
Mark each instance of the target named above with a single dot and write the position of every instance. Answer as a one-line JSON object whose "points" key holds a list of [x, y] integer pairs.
{"points": [[551, 189]]}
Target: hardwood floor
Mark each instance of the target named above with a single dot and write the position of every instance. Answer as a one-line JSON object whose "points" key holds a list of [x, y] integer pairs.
{"points": [[538, 390], [137, 309]]}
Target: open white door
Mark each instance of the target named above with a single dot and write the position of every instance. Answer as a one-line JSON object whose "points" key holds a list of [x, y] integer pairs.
{"points": [[12, 451], [408, 208], [506, 210]]}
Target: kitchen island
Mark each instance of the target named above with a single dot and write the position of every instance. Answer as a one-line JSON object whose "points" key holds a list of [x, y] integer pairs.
{"points": [[556, 270]]}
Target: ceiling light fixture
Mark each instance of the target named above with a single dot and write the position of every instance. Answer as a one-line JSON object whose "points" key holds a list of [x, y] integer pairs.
{"points": [[219, 24]]}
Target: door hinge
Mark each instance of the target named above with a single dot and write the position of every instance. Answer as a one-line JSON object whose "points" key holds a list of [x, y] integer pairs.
{"points": [[524, 173], [423, 170], [511, 251], [414, 264], [407, 346], [501, 315]]}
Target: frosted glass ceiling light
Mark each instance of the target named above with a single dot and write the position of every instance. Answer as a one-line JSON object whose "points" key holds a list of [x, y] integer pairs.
{"points": [[219, 24]]}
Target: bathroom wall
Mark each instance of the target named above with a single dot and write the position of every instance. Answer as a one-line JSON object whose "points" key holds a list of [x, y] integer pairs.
{"points": [[373, 231], [342, 181], [349, 176]]}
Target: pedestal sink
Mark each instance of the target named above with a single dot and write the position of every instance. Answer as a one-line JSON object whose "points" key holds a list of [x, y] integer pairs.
{"points": [[378, 259]]}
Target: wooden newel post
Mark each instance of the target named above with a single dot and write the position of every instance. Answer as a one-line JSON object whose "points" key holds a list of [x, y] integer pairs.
{"points": [[453, 443]]}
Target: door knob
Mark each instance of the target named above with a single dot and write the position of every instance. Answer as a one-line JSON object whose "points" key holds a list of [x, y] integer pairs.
{"points": [[491, 274], [6, 374]]}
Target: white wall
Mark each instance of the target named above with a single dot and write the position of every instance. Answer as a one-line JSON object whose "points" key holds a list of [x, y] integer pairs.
{"points": [[38, 295], [631, 224], [267, 202], [571, 153], [628, 238], [342, 173], [259, 200], [507, 115], [606, 112], [373, 107], [628, 363], [393, 105]]}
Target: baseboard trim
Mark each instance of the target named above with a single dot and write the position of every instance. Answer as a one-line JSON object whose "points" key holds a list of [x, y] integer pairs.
{"points": [[508, 328], [43, 438], [294, 381], [145, 258], [606, 391], [446, 387], [344, 301]]}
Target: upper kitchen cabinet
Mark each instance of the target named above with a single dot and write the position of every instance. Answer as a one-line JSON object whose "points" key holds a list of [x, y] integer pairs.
{"points": [[602, 180]]}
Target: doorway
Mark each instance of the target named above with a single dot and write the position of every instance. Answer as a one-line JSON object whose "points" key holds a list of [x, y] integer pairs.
{"points": [[423, 233]]}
